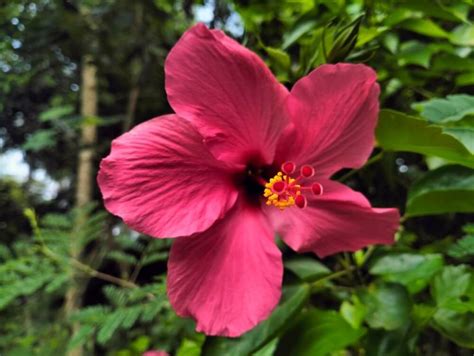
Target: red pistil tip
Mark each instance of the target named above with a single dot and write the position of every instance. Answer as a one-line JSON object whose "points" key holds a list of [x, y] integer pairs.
{"points": [[278, 187], [301, 201], [288, 167], [317, 189], [307, 171]]}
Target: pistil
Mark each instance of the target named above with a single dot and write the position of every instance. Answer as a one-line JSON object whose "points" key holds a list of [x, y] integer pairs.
{"points": [[283, 191]]}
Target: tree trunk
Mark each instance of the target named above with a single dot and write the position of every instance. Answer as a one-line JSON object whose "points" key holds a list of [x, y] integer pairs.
{"points": [[85, 180]]}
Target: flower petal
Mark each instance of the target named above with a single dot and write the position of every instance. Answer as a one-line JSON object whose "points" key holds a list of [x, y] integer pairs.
{"points": [[334, 110], [339, 220], [227, 278], [162, 180], [228, 93]]}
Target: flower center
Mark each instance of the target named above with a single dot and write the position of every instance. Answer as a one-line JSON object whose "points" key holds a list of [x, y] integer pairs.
{"points": [[283, 191]]}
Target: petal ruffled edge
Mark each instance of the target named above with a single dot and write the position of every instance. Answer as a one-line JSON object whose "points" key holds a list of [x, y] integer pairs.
{"points": [[334, 111], [227, 92], [162, 181], [229, 277], [340, 220]]}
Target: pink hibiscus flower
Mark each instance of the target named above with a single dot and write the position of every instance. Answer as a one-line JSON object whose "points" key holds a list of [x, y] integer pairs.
{"points": [[241, 159]]}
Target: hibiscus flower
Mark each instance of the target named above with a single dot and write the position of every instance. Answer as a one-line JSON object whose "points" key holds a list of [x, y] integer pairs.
{"points": [[242, 159]]}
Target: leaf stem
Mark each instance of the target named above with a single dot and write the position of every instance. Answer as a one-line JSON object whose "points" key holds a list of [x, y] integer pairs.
{"points": [[332, 276]]}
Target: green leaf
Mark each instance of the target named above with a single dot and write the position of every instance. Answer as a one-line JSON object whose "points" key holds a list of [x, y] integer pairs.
{"points": [[465, 79], [191, 347], [463, 247], [389, 343], [414, 52], [399, 132], [388, 306], [111, 324], [456, 327], [354, 313], [297, 32], [56, 113], [306, 268], [452, 288], [367, 34], [318, 332], [424, 27], [463, 35], [82, 336], [294, 298], [465, 135], [452, 108], [268, 349], [444, 190], [40, 140], [280, 62], [414, 271]]}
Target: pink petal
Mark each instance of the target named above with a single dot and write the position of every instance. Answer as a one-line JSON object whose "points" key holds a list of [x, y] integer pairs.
{"points": [[339, 220], [162, 181], [155, 353], [228, 93], [334, 110], [229, 277]]}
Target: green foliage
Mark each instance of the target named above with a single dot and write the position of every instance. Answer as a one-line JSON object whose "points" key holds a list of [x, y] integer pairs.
{"points": [[414, 271], [415, 297], [444, 190], [453, 108], [318, 332], [388, 306], [129, 307], [416, 135], [308, 269], [463, 247]]}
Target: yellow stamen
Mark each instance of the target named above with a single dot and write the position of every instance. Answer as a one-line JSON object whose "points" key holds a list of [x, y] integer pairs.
{"points": [[281, 199]]}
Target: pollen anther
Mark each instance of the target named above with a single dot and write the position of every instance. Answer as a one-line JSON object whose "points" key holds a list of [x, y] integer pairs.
{"points": [[283, 191]]}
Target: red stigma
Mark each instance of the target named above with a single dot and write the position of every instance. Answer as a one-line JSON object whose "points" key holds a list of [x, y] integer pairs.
{"points": [[288, 167], [283, 191], [307, 171]]}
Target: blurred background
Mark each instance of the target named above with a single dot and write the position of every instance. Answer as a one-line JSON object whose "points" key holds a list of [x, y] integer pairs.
{"points": [[76, 74]]}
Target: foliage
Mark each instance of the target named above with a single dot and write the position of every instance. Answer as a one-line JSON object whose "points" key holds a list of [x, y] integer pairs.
{"points": [[415, 297]]}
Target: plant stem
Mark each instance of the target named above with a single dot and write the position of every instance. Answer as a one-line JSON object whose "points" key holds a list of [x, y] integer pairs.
{"points": [[332, 276], [88, 270]]}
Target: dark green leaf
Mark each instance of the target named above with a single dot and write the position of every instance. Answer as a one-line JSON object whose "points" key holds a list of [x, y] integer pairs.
{"points": [[318, 332], [392, 343], [414, 271], [452, 289], [399, 132], [306, 268], [463, 247], [388, 306], [457, 327], [444, 190]]}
